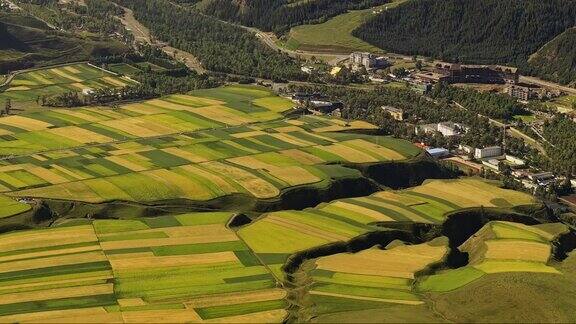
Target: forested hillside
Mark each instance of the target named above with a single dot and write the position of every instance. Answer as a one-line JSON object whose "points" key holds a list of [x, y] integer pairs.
{"points": [[557, 59], [219, 46], [27, 42], [280, 15], [478, 31]]}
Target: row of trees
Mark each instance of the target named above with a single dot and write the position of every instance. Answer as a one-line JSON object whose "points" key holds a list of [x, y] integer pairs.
{"points": [[219, 46], [280, 15]]}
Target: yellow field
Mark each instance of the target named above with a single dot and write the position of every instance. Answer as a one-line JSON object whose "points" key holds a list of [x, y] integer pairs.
{"points": [[399, 262]]}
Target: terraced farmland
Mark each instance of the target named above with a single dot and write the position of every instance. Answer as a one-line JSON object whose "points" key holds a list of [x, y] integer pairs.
{"points": [[29, 86], [500, 247], [192, 267], [182, 268], [277, 235]]}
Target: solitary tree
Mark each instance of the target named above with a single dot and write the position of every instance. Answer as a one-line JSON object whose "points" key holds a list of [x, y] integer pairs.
{"points": [[8, 106]]}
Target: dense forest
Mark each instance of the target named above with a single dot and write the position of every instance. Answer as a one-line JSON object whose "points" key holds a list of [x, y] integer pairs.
{"points": [[219, 46], [556, 60], [497, 106], [471, 31], [280, 15]]}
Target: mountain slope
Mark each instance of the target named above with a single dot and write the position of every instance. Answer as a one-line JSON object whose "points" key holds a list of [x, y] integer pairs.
{"points": [[480, 31], [280, 15], [556, 60]]}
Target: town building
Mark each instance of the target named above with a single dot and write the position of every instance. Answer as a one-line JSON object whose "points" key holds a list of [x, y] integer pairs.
{"points": [[303, 97], [450, 129], [421, 88], [487, 152], [396, 113], [492, 164], [542, 178], [458, 73], [438, 152], [335, 71], [445, 128], [466, 148]]}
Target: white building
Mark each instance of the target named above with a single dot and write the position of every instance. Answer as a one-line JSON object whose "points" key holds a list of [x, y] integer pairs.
{"points": [[450, 128], [514, 160], [445, 128], [487, 152], [465, 148]]}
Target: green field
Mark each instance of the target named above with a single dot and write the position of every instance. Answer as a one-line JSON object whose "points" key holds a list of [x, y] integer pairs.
{"points": [[335, 35], [30, 86], [205, 145], [10, 207]]}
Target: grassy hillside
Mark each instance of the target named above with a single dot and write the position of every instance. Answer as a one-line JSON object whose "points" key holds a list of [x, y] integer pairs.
{"points": [[486, 31], [335, 35], [27, 42], [557, 59]]}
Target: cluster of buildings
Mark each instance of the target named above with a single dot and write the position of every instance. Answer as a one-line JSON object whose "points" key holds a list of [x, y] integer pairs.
{"points": [[367, 60], [524, 92]]}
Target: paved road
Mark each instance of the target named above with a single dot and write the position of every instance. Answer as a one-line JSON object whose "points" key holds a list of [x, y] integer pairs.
{"points": [[543, 83]]}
